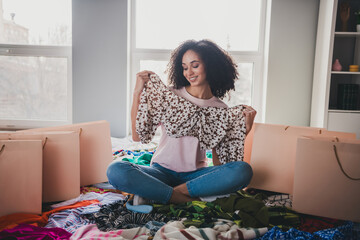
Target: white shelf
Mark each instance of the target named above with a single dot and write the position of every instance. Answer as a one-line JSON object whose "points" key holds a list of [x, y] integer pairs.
{"points": [[344, 72], [325, 80], [347, 34], [343, 111]]}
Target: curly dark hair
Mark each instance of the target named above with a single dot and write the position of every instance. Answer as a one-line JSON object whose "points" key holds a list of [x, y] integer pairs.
{"points": [[221, 71]]}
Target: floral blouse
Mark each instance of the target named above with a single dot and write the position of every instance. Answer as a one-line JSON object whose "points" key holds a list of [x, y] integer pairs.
{"points": [[220, 128]]}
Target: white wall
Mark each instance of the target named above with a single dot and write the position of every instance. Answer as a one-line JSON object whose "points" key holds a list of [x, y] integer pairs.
{"points": [[293, 30], [100, 62]]}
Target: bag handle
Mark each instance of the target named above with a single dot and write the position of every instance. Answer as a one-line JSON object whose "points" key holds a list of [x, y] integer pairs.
{"points": [[45, 141], [338, 160], [3, 146], [2, 149], [286, 128]]}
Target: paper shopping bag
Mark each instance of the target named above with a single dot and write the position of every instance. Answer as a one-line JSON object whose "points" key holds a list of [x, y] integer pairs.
{"points": [[20, 176], [248, 144], [274, 151], [4, 136], [95, 149], [61, 163], [327, 178]]}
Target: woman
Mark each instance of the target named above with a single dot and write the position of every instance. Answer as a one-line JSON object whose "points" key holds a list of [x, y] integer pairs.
{"points": [[202, 73]]}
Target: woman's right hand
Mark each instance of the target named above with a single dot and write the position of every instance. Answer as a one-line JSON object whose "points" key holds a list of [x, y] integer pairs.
{"points": [[249, 114], [141, 79]]}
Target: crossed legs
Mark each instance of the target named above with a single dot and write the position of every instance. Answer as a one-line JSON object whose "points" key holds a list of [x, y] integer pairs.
{"points": [[163, 185]]}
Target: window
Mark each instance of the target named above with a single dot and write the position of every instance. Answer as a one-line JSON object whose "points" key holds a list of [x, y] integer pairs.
{"points": [[238, 26], [35, 63]]}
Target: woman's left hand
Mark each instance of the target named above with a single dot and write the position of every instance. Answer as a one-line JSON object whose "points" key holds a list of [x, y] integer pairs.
{"points": [[249, 114]]}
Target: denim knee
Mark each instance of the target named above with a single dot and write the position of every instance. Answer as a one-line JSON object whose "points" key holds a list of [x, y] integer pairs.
{"points": [[117, 173], [241, 173]]}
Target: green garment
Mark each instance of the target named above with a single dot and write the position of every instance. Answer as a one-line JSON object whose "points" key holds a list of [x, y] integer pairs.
{"points": [[197, 213], [252, 212], [143, 159], [209, 156], [250, 209], [283, 218], [244, 209]]}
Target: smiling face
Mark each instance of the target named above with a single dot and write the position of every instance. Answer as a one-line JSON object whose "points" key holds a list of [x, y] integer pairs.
{"points": [[194, 69]]}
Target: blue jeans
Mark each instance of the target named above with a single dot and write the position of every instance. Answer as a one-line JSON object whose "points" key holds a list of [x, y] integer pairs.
{"points": [[156, 182]]}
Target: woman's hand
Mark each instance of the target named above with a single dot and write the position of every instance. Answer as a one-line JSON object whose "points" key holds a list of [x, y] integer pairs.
{"points": [[141, 79], [249, 114]]}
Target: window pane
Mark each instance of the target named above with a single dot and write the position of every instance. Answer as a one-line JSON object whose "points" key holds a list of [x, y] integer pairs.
{"points": [[157, 67], [33, 88], [243, 86], [163, 24], [38, 22]]}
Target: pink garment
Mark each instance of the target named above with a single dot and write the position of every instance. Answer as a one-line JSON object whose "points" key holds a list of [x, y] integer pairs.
{"points": [[92, 232], [215, 127], [27, 232], [183, 154]]}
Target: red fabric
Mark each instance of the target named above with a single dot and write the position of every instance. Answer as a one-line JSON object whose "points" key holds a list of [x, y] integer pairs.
{"points": [[12, 220], [29, 232], [312, 224]]}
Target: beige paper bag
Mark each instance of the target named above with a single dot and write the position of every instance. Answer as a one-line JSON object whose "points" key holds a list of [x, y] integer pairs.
{"points": [[20, 177], [95, 149], [61, 163], [4, 136], [327, 178], [248, 144], [274, 151]]}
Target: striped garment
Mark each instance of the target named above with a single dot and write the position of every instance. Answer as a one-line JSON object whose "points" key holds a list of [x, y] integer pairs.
{"points": [[222, 229], [116, 216], [71, 219]]}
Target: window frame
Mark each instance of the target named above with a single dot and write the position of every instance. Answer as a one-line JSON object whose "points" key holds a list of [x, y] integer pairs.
{"points": [[255, 57], [26, 50]]}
